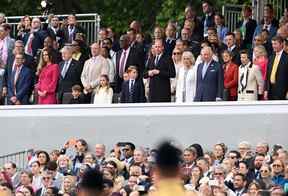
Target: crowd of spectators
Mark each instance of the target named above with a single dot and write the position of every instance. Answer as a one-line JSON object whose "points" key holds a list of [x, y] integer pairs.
{"points": [[197, 59], [245, 170]]}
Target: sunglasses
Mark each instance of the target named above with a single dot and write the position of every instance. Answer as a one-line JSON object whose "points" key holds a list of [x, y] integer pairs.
{"points": [[176, 53], [264, 171], [46, 178]]}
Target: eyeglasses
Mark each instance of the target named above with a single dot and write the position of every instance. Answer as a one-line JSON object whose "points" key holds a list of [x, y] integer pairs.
{"points": [[46, 178], [264, 171]]}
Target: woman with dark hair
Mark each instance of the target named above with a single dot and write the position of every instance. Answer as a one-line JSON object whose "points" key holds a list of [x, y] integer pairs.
{"points": [[27, 190], [230, 77], [199, 150], [194, 182], [48, 73], [43, 158]]}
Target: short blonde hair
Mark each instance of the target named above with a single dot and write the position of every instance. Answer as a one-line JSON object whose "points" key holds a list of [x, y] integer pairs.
{"points": [[189, 55], [261, 50]]}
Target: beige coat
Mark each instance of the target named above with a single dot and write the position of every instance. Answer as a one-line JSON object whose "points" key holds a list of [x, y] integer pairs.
{"points": [[253, 84]]}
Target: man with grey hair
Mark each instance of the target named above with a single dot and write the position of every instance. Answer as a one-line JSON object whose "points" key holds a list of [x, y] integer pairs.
{"points": [[70, 70], [35, 39], [210, 78]]}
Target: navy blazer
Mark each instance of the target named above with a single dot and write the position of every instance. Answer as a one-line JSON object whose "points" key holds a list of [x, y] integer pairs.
{"points": [[212, 85], [37, 42], [278, 90], [138, 92], [23, 84], [272, 31]]}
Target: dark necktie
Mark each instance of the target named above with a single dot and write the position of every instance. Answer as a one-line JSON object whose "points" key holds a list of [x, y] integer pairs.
{"points": [[131, 91]]}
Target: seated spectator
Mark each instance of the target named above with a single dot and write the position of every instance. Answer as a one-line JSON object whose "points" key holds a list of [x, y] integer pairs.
{"points": [[56, 176], [103, 92], [77, 97], [194, 181], [11, 170], [25, 180], [68, 186], [189, 158], [91, 184], [47, 181], [278, 169], [219, 152], [64, 165], [37, 178]]}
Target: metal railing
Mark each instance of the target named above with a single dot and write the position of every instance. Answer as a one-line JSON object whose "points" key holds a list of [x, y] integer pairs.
{"points": [[279, 6], [89, 22], [21, 159], [232, 14]]}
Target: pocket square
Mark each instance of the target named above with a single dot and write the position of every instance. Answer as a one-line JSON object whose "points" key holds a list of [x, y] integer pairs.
{"points": [[212, 70]]}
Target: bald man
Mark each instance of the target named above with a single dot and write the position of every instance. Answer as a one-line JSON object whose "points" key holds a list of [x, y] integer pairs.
{"points": [[210, 78], [94, 67]]}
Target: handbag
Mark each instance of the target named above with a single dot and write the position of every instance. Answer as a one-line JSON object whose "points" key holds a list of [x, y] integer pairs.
{"points": [[226, 94]]}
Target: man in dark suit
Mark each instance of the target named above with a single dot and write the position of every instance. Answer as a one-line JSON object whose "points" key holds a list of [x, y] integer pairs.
{"points": [[139, 47], [19, 79], [69, 76], [160, 70], [208, 18], [247, 26], [210, 82], [72, 29], [133, 89], [230, 42], [35, 39], [276, 87], [124, 58], [170, 40], [56, 32]]}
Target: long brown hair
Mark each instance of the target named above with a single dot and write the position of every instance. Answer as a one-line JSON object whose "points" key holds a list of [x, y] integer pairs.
{"points": [[42, 63]]}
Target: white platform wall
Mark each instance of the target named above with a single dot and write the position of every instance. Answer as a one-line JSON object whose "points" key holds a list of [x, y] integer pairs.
{"points": [[48, 127]]}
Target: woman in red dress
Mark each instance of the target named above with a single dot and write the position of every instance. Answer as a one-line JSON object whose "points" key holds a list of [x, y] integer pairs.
{"points": [[230, 76], [48, 78]]}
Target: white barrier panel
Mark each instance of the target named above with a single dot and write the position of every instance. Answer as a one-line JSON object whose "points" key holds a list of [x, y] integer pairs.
{"points": [[48, 127]]}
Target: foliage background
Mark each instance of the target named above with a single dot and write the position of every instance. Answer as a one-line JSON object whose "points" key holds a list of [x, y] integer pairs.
{"points": [[115, 13]]}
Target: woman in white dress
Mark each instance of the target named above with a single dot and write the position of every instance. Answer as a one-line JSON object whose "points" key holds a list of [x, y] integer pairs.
{"points": [[103, 92], [186, 80], [177, 57]]}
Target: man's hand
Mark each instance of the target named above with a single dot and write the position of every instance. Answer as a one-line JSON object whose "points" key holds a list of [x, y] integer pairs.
{"points": [[265, 95], [13, 99], [156, 71], [4, 92], [150, 73]]}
